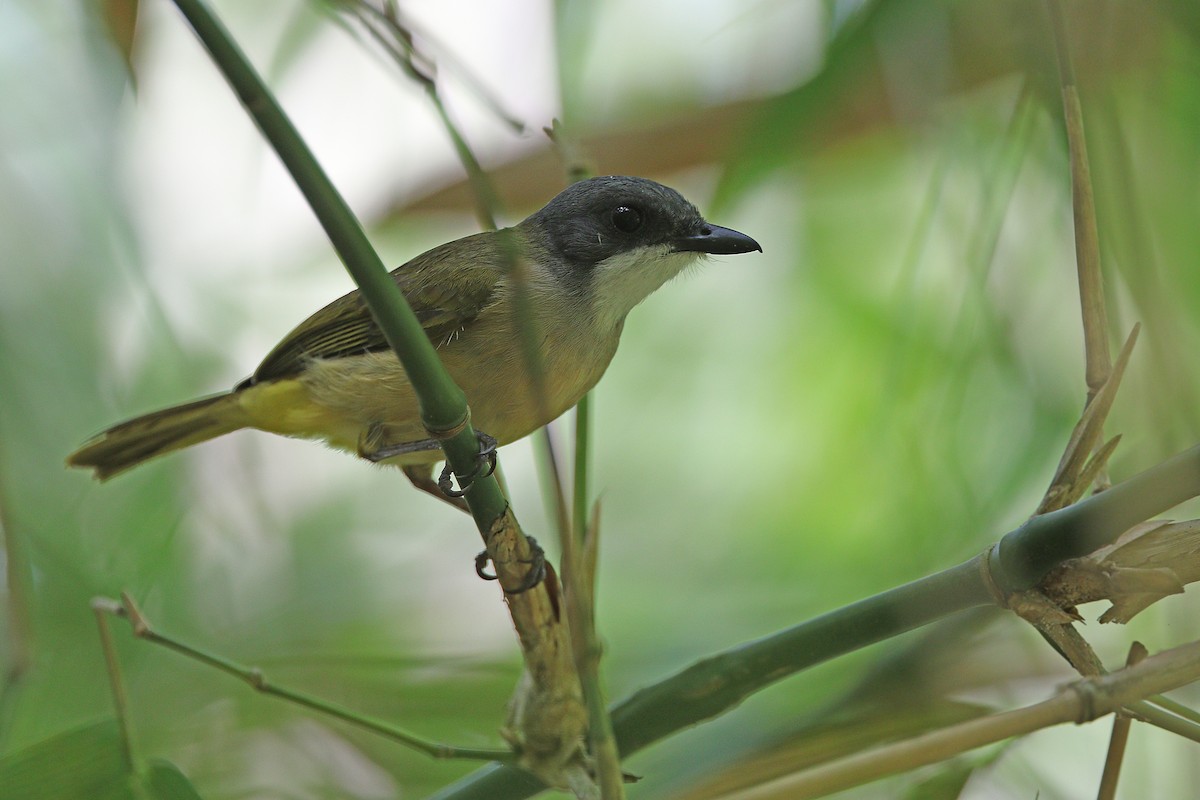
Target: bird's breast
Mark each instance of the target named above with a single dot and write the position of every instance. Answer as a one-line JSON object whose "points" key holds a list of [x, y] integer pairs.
{"points": [[518, 380]]}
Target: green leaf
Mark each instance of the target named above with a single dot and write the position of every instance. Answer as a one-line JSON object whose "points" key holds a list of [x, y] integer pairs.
{"points": [[85, 762], [166, 782]]}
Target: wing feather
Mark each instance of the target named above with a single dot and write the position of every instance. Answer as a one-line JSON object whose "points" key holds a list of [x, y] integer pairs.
{"points": [[445, 294]]}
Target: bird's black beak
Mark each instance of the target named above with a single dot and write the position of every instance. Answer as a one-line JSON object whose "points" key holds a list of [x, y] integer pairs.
{"points": [[717, 241]]}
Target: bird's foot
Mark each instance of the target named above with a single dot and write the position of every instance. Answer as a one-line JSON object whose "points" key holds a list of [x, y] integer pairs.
{"points": [[421, 477], [535, 575], [485, 462]]}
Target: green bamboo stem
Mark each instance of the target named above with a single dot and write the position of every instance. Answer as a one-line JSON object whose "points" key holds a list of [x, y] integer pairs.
{"points": [[719, 683], [1031, 551], [580, 544], [581, 614], [399, 45], [579, 493], [1159, 718], [1178, 709], [443, 404]]}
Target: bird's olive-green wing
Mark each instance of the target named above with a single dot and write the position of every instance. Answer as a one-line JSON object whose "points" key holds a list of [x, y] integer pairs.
{"points": [[446, 291]]}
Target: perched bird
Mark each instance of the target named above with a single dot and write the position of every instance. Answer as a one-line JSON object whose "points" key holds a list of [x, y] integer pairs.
{"points": [[525, 319]]}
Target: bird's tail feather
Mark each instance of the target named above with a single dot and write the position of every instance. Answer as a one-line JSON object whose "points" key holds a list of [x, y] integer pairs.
{"points": [[124, 446]]}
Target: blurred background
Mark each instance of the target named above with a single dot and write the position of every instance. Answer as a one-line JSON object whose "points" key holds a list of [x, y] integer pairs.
{"points": [[880, 395]]}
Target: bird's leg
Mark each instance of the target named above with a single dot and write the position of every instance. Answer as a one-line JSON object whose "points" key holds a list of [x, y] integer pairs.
{"points": [[374, 447]]}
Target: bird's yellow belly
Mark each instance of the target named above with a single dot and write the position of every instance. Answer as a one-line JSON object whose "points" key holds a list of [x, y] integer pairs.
{"points": [[341, 400]]}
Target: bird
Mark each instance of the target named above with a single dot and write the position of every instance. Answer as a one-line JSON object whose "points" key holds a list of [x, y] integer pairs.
{"points": [[525, 319]]}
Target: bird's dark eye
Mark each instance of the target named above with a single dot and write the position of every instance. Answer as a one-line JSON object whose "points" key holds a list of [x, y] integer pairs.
{"points": [[626, 219]]}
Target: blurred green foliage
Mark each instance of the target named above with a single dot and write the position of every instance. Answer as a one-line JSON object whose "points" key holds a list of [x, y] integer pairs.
{"points": [[881, 395]]}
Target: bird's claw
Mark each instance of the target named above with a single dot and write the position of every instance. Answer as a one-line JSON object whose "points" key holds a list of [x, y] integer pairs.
{"points": [[481, 560], [487, 455], [535, 575]]}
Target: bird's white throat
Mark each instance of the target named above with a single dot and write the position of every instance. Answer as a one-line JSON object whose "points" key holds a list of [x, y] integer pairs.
{"points": [[622, 281]]}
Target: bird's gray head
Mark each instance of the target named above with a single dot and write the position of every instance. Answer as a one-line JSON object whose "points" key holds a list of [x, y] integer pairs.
{"points": [[614, 240]]}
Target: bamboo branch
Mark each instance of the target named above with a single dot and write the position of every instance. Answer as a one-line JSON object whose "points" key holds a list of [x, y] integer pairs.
{"points": [[1079, 702], [1119, 737], [443, 405], [1087, 242], [388, 30], [1081, 464], [1075, 474], [1022, 559]]}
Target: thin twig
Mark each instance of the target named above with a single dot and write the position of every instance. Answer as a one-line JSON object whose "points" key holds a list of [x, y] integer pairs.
{"points": [[579, 492], [1087, 242], [254, 677], [102, 607], [1000, 181], [997, 191], [1120, 736], [453, 64], [1075, 471], [397, 40], [551, 473], [579, 546], [1074, 475], [549, 680], [395, 36]]}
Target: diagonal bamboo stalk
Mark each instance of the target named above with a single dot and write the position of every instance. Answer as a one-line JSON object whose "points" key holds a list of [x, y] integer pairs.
{"points": [[548, 727]]}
